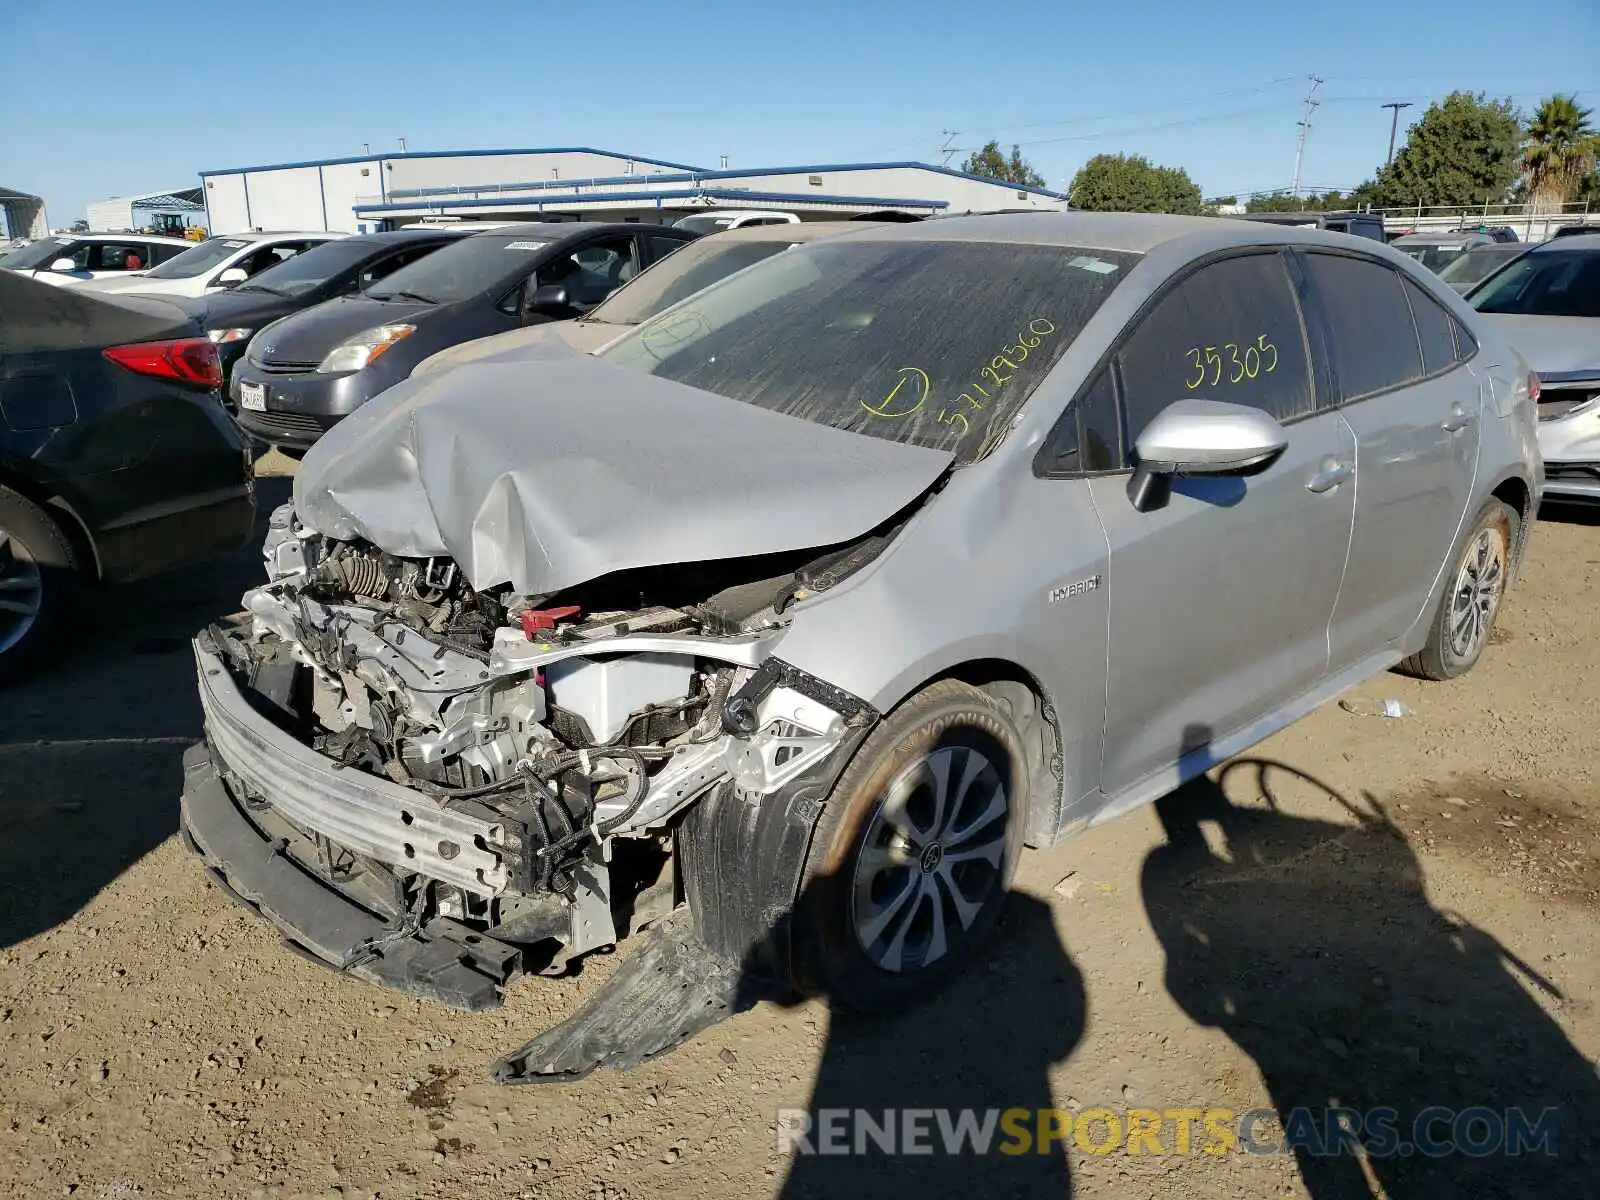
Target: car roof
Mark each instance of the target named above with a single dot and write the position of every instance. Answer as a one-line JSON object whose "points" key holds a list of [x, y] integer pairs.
{"points": [[262, 235], [551, 231], [1136, 233], [118, 237], [806, 231], [392, 237], [1575, 241], [1429, 236]]}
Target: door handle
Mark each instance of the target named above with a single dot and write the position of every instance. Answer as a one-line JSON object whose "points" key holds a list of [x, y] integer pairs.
{"points": [[1458, 419], [1333, 473]]}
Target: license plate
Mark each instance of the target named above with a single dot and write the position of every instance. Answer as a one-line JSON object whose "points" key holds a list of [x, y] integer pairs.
{"points": [[253, 397]]}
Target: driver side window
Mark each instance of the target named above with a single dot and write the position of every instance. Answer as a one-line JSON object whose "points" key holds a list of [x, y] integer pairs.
{"points": [[1231, 331], [592, 273]]}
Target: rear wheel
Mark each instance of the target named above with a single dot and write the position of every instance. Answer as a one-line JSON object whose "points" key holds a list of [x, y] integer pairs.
{"points": [[1471, 600], [38, 575], [910, 863]]}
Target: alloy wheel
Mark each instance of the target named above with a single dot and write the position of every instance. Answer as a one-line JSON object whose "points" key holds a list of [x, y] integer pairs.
{"points": [[1477, 593], [931, 859], [21, 590]]}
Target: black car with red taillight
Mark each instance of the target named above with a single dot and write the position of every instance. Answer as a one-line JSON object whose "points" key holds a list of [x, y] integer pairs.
{"points": [[117, 459]]}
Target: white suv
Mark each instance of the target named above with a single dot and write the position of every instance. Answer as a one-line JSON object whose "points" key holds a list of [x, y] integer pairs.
{"points": [[215, 264]]}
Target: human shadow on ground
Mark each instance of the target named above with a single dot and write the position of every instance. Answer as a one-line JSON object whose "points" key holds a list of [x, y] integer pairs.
{"points": [[90, 747], [1313, 944], [981, 1045]]}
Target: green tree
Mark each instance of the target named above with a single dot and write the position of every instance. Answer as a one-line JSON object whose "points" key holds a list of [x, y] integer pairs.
{"points": [[1559, 152], [991, 164], [1132, 183], [1333, 201], [1464, 150]]}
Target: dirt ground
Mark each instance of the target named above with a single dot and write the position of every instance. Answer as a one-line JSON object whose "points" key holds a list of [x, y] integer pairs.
{"points": [[1363, 911]]}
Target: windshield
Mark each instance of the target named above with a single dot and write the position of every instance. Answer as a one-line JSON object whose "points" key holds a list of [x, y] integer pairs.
{"points": [[309, 270], [198, 260], [1553, 283], [705, 224], [932, 343], [694, 268], [38, 255], [470, 266], [1476, 265]]}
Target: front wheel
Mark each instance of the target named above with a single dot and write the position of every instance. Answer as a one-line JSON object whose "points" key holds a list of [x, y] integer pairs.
{"points": [[1472, 597], [911, 860]]}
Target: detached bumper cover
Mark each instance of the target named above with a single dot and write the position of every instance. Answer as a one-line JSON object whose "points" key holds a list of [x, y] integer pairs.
{"points": [[443, 962]]}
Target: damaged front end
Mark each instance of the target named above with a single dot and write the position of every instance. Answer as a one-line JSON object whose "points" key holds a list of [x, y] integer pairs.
{"points": [[439, 788]]}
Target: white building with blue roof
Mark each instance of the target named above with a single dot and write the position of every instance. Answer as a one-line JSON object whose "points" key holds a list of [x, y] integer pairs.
{"points": [[383, 191]]}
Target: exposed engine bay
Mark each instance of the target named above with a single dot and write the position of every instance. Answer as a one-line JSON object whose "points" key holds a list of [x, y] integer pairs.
{"points": [[516, 763]]}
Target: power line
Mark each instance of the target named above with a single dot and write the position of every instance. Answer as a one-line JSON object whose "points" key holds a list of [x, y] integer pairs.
{"points": [[1164, 106], [1111, 133]]}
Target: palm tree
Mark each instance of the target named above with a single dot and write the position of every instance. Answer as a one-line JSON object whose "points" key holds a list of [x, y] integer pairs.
{"points": [[1559, 151]]}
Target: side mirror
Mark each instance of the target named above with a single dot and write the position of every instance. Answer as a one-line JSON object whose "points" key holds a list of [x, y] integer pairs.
{"points": [[63, 264], [550, 300], [1201, 437], [232, 277]]}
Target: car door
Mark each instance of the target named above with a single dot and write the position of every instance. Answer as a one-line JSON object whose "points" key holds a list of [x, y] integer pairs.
{"points": [[1220, 600], [1414, 407]]}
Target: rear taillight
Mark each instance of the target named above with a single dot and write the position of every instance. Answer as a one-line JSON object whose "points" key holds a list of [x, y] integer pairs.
{"points": [[188, 360]]}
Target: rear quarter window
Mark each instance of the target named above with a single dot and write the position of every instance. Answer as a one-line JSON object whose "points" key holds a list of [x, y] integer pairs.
{"points": [[1433, 330]]}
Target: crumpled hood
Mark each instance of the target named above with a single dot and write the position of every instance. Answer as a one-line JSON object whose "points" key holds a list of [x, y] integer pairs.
{"points": [[1552, 345], [546, 472]]}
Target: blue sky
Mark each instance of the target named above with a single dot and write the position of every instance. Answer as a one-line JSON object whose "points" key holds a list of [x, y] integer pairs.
{"points": [[1211, 87]]}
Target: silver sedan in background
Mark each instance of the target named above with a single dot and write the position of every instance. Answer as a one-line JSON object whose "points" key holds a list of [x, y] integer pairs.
{"points": [[1547, 304], [790, 617]]}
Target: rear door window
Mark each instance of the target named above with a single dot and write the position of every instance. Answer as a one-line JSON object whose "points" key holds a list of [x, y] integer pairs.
{"points": [[387, 266], [1231, 331], [1374, 341], [1433, 330]]}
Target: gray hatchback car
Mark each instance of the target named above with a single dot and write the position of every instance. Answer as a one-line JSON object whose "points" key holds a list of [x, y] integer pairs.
{"points": [[781, 626]]}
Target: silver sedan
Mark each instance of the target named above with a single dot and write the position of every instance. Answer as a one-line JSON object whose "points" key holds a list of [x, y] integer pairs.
{"points": [[833, 586]]}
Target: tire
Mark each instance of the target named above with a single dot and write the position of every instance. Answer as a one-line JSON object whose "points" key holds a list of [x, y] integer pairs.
{"points": [[1472, 596], [39, 571], [866, 936]]}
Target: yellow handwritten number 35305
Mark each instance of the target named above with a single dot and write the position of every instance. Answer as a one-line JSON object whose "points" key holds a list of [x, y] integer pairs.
{"points": [[1255, 361]]}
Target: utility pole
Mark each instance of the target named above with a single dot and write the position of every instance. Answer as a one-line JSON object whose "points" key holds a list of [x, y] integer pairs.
{"points": [[1305, 129], [1394, 124], [402, 145], [947, 150]]}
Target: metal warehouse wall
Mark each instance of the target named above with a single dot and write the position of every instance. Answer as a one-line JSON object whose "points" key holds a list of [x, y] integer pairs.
{"points": [[894, 183], [227, 210], [342, 183], [110, 216], [285, 199], [450, 171]]}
